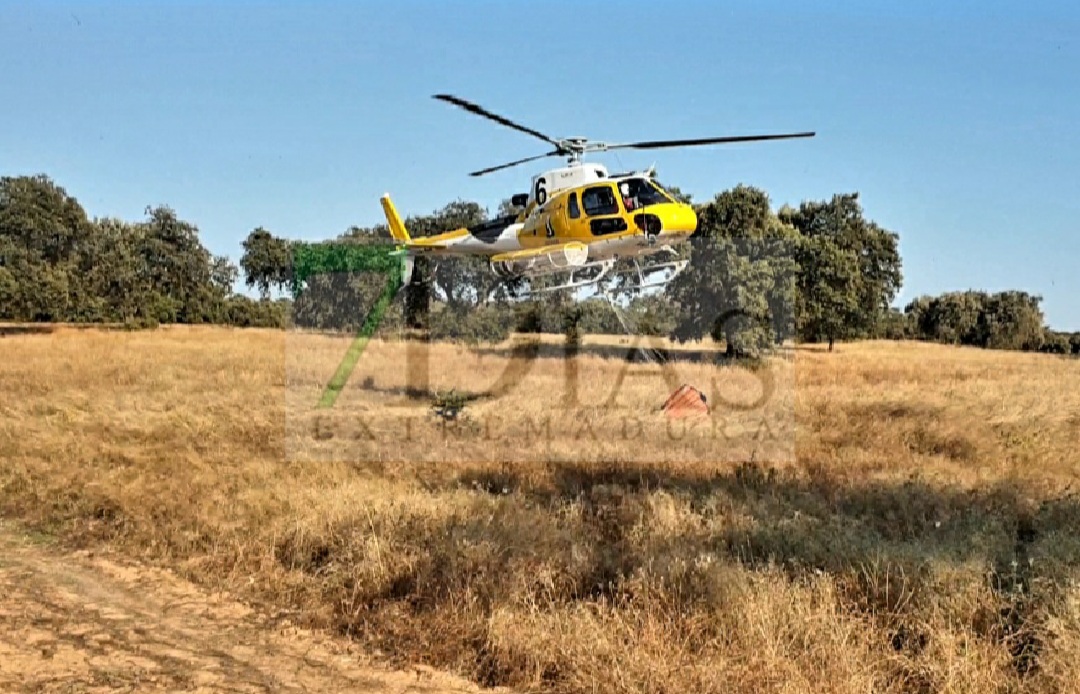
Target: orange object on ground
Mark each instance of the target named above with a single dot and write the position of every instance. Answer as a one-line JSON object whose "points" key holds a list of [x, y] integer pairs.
{"points": [[686, 401]]}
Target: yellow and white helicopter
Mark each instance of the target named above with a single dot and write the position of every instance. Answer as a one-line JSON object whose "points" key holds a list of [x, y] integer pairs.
{"points": [[578, 218]]}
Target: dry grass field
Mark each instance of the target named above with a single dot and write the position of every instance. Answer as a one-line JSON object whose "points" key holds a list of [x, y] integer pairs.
{"points": [[891, 517]]}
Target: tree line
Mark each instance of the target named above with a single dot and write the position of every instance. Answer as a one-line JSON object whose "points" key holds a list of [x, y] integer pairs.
{"points": [[1001, 320], [58, 265], [819, 272]]}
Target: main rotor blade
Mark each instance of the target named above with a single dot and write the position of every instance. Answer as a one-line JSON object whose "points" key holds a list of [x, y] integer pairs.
{"points": [[654, 144], [481, 172], [480, 111]]}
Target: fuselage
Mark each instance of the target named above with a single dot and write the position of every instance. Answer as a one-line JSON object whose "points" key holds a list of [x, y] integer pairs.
{"points": [[599, 216]]}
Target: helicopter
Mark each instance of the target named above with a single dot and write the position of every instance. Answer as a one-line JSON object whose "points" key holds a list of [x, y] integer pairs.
{"points": [[578, 219]]}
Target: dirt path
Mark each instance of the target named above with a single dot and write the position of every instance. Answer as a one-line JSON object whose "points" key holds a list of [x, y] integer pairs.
{"points": [[75, 622]]}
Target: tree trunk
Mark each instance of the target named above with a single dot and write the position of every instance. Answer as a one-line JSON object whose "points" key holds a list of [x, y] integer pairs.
{"points": [[418, 297], [830, 343]]}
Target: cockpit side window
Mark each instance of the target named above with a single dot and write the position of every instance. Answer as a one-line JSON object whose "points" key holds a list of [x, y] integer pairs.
{"points": [[572, 209], [599, 200]]}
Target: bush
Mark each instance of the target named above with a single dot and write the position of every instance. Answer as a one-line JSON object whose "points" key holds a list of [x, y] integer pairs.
{"points": [[448, 405], [895, 326], [471, 325], [572, 325], [342, 301], [244, 312], [1055, 343], [140, 323], [652, 315], [1005, 320]]}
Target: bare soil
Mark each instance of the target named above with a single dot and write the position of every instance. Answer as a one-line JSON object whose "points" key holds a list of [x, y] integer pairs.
{"points": [[76, 621]]}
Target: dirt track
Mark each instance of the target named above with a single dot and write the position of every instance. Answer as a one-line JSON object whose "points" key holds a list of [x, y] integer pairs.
{"points": [[75, 622]]}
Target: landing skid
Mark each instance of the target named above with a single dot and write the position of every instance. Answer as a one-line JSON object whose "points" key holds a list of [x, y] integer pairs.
{"points": [[604, 267], [575, 281], [676, 267], [645, 276], [651, 276]]}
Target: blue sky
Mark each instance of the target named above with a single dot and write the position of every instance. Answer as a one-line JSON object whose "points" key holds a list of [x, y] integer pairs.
{"points": [[957, 123]]}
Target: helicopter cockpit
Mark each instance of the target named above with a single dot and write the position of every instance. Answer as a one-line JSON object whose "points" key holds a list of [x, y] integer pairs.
{"points": [[640, 192]]}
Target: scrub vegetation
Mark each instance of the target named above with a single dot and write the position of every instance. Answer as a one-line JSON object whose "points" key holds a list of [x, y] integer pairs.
{"points": [[919, 535]]}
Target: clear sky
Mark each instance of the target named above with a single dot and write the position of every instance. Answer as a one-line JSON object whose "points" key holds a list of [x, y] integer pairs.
{"points": [[958, 123]]}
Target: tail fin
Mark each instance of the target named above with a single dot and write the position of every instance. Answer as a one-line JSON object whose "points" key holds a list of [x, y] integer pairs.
{"points": [[393, 219]]}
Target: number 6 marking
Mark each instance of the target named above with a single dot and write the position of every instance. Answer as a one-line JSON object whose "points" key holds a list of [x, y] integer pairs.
{"points": [[541, 191]]}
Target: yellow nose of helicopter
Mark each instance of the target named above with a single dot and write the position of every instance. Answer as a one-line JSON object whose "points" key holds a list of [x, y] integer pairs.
{"points": [[675, 218], [684, 220]]}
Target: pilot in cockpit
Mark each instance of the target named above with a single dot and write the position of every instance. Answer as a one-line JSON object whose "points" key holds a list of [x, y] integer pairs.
{"points": [[630, 202]]}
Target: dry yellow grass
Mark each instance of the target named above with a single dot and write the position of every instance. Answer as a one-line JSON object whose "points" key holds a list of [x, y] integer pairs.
{"points": [[532, 404], [906, 523]]}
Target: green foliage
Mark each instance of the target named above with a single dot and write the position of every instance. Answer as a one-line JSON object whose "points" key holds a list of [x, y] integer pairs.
{"points": [[1012, 320], [458, 282], [896, 325], [42, 230], [245, 312], [652, 314], [572, 325], [951, 318], [309, 260], [449, 407], [267, 262], [828, 295], [1056, 343], [676, 193], [342, 301], [587, 317], [740, 283], [508, 209], [822, 272], [58, 265], [472, 326], [449, 404], [850, 270], [1005, 320]]}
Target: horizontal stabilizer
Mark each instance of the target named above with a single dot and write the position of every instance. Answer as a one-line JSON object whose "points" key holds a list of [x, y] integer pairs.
{"points": [[424, 247]]}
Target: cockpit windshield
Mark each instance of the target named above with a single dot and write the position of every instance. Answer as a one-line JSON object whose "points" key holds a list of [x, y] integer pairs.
{"points": [[667, 193], [639, 192]]}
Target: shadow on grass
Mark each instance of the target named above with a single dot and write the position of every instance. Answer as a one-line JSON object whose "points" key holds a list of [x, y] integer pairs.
{"points": [[885, 544], [635, 350], [643, 537], [17, 329], [818, 520], [10, 330]]}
